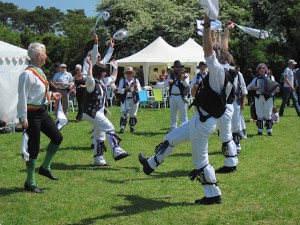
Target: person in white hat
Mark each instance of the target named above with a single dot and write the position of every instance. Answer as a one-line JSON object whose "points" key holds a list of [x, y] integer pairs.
{"points": [[288, 88], [96, 84], [129, 88]]}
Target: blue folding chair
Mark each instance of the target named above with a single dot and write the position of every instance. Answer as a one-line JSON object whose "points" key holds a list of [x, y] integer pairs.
{"points": [[143, 97]]}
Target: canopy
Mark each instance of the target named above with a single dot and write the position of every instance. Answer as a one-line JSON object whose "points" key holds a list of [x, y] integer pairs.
{"points": [[159, 52], [13, 60]]}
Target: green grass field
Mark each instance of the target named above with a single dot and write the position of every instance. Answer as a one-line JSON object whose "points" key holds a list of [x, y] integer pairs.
{"points": [[264, 190]]}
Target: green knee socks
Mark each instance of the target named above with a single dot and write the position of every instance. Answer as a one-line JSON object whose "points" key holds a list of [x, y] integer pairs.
{"points": [[51, 150], [30, 167]]}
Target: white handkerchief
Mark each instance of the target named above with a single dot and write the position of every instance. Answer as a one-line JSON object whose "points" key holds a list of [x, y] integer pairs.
{"points": [[24, 146], [254, 32], [120, 35], [105, 15], [61, 117], [211, 8]]}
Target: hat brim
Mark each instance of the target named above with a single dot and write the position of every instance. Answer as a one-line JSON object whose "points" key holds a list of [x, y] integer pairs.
{"points": [[198, 67], [177, 66]]}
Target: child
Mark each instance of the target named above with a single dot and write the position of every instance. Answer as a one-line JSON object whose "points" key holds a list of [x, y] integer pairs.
{"points": [[275, 115]]}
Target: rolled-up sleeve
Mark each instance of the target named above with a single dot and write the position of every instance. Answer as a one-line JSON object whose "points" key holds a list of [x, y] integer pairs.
{"points": [[90, 84], [23, 90]]}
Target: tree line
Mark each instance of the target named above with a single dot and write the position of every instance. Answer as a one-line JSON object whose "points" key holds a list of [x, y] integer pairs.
{"points": [[67, 36]]}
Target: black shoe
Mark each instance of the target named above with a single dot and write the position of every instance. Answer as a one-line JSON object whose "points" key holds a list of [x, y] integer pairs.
{"points": [[122, 131], [47, 173], [121, 156], [32, 188], [259, 133], [209, 201], [132, 130], [270, 134], [146, 167], [226, 169]]}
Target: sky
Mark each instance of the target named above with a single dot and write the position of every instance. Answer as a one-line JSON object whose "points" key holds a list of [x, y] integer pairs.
{"points": [[89, 6]]}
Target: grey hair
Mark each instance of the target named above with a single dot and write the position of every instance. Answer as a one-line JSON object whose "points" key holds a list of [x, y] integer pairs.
{"points": [[34, 49], [262, 65], [78, 66]]}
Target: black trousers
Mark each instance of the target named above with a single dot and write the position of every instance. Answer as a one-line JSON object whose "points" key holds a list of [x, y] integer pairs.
{"points": [[40, 121], [80, 96]]}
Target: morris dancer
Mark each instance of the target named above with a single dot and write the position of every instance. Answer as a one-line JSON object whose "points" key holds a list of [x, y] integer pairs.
{"points": [[96, 84]]}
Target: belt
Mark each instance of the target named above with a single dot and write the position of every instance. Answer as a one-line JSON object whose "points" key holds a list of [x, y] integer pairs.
{"points": [[176, 94]]}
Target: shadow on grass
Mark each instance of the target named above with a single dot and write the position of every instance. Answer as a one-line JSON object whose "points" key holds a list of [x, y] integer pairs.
{"points": [[181, 155], [137, 205], [63, 166], [9, 191], [75, 148], [148, 133], [219, 152]]}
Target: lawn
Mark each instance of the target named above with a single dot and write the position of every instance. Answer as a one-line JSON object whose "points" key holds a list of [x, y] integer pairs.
{"points": [[264, 190]]}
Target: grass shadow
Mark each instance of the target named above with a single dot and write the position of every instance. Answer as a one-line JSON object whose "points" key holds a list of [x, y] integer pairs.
{"points": [[148, 133], [9, 191], [137, 205]]}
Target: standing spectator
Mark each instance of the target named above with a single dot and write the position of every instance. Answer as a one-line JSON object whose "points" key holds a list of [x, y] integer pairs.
{"points": [[289, 88], [156, 75], [297, 78], [33, 98], [140, 75], [263, 101], [178, 83], [129, 88], [64, 81], [52, 86], [80, 91], [96, 84], [209, 104], [163, 74]]}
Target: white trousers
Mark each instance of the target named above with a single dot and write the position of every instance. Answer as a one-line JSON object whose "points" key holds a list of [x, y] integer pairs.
{"points": [[101, 125], [235, 122], [225, 135], [263, 108], [177, 104], [129, 108], [198, 134]]}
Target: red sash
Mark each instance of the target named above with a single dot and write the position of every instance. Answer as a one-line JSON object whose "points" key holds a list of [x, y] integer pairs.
{"points": [[43, 78]]}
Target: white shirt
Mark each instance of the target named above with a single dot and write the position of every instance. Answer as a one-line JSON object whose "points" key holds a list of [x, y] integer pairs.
{"points": [[129, 94], [288, 72], [195, 80], [32, 91], [175, 89], [94, 57]]}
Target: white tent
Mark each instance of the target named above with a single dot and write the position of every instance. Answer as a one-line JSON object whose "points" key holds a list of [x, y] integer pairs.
{"points": [[160, 52], [13, 60]]}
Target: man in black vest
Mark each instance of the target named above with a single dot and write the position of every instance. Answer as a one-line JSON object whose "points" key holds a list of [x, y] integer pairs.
{"points": [[96, 83], [210, 104], [178, 83]]}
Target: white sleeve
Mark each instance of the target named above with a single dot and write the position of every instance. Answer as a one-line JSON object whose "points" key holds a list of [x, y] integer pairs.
{"points": [[85, 67], [186, 81], [107, 56], [94, 54], [243, 84], [90, 84], [23, 90], [193, 82], [216, 73], [120, 88], [138, 86], [252, 84]]}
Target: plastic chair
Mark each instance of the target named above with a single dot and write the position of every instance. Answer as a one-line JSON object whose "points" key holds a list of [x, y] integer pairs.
{"points": [[158, 97], [70, 102], [143, 97]]}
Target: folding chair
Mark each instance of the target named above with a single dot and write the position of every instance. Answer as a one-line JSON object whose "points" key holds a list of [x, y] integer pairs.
{"points": [[143, 97], [158, 97], [70, 102]]}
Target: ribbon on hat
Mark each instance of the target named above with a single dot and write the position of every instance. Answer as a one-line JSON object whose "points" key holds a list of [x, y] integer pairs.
{"points": [[211, 8]]}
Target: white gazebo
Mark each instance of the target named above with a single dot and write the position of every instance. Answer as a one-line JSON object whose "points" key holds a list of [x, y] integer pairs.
{"points": [[13, 60], [159, 52]]}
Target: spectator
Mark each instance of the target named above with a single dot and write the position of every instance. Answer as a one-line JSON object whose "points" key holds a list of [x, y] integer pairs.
{"points": [[80, 91]]}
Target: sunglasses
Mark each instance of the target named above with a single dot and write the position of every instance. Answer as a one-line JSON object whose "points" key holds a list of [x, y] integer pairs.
{"points": [[262, 68], [63, 67]]}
